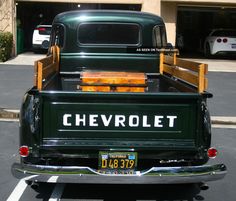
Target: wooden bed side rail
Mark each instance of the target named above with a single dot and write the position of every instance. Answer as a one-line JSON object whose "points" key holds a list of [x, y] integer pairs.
{"points": [[45, 67], [188, 71]]}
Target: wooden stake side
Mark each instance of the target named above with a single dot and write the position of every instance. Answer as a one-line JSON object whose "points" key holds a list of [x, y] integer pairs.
{"points": [[40, 76], [191, 72], [181, 74], [35, 73], [161, 62], [46, 67]]}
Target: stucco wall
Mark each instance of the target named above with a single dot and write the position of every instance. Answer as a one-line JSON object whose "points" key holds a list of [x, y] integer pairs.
{"points": [[166, 8], [201, 1], [169, 14], [152, 6], [6, 15]]}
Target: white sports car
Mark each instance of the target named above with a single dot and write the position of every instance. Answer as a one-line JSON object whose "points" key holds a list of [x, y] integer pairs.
{"points": [[220, 41]]}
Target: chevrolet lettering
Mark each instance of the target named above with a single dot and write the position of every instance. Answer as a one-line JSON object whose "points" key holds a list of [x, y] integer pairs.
{"points": [[82, 120], [111, 104]]}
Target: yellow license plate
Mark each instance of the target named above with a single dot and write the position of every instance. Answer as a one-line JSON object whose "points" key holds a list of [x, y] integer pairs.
{"points": [[117, 162]]}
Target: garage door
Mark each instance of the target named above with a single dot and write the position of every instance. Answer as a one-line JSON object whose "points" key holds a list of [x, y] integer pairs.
{"points": [[195, 23]]}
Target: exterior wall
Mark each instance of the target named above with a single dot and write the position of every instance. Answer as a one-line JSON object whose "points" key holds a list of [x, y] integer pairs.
{"points": [[7, 13], [88, 1], [166, 8], [202, 1], [169, 15], [152, 6]]}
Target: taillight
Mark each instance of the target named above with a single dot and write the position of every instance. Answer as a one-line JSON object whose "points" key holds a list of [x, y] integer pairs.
{"points": [[212, 152], [41, 29], [219, 40], [24, 151], [225, 40]]}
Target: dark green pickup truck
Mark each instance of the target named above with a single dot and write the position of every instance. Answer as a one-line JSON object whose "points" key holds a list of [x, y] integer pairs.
{"points": [[110, 104]]}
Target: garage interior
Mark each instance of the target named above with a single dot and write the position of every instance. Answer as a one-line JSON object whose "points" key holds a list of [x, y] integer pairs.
{"points": [[195, 23], [31, 14]]}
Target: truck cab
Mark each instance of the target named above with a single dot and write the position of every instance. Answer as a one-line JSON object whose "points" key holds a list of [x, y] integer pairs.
{"points": [[111, 104]]}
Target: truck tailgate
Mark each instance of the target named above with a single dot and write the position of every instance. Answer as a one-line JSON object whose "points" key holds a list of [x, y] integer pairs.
{"points": [[120, 120]]}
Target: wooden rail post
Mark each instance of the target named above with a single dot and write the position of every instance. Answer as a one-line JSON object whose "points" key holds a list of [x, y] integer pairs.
{"points": [[161, 66], [175, 59], [40, 76]]}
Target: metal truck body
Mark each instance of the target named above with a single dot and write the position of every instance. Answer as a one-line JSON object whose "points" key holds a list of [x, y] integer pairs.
{"points": [[113, 133]]}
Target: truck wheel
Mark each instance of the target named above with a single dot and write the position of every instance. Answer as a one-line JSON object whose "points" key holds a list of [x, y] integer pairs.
{"points": [[32, 184], [203, 186]]}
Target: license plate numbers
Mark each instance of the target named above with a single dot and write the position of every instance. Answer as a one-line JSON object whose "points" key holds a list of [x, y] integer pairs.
{"points": [[117, 162], [233, 46]]}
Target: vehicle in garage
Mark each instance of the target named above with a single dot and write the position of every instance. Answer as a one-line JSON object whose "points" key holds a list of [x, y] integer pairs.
{"points": [[220, 41], [110, 105], [41, 37]]}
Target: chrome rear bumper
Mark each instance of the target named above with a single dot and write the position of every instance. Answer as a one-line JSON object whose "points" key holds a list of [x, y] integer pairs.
{"points": [[155, 175]]}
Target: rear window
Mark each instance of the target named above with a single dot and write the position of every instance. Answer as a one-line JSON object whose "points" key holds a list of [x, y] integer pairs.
{"points": [[109, 34], [228, 33]]}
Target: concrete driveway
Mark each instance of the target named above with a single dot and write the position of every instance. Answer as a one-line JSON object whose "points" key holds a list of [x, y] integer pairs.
{"points": [[214, 65], [26, 58], [217, 65]]}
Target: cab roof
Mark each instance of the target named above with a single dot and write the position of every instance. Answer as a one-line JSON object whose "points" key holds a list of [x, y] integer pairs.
{"points": [[122, 16]]}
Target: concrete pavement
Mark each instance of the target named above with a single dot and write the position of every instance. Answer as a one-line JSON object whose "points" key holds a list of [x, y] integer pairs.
{"points": [[217, 65], [27, 59]]}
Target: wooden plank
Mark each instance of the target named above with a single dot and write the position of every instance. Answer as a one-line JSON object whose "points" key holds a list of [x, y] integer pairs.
{"points": [[47, 60], [174, 59], [40, 76], [161, 62], [111, 89], [190, 65], [168, 60], [48, 70], [55, 50], [130, 89], [113, 78], [205, 66], [58, 58], [201, 79], [205, 84], [181, 74], [45, 67], [193, 66], [35, 73], [95, 88]]}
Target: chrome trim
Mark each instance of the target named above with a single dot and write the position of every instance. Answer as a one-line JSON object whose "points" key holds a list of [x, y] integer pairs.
{"points": [[154, 175]]}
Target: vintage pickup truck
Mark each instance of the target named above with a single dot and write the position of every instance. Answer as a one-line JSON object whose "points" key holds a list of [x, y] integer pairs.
{"points": [[110, 104]]}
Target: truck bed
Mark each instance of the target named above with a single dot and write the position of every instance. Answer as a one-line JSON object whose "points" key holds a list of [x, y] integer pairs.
{"points": [[155, 83], [174, 75]]}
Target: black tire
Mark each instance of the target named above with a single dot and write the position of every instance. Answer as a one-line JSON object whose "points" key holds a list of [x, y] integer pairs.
{"points": [[208, 51]]}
